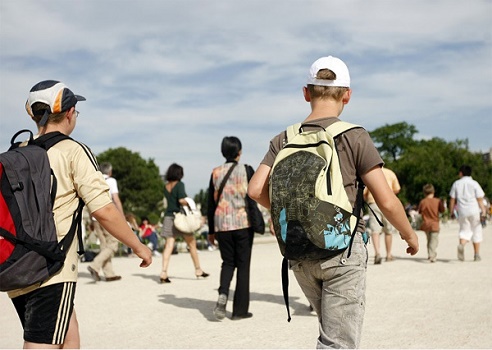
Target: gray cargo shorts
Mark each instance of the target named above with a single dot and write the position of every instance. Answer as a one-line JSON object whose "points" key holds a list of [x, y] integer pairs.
{"points": [[336, 288]]}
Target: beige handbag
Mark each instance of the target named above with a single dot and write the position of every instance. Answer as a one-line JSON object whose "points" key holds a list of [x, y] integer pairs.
{"points": [[189, 218]]}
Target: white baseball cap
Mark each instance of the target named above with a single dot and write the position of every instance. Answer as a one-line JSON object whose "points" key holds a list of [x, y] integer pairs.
{"points": [[334, 64], [53, 93]]}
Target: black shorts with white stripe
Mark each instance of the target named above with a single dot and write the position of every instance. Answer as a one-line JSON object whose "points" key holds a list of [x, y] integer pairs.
{"points": [[45, 313]]}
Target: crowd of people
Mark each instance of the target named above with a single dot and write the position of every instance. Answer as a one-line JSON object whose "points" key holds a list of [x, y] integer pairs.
{"points": [[52, 105]]}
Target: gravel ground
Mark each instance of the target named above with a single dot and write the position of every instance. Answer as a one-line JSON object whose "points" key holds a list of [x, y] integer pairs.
{"points": [[411, 303]]}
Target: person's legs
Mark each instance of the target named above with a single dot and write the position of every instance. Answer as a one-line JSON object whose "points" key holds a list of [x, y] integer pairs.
{"points": [[226, 248], [111, 248], [476, 248], [388, 241], [153, 239], [375, 229], [108, 246], [465, 235], [477, 236], [375, 237], [191, 241], [166, 256], [72, 340], [103, 254], [432, 242], [336, 290], [167, 233], [388, 231], [243, 246], [428, 237], [343, 300]]}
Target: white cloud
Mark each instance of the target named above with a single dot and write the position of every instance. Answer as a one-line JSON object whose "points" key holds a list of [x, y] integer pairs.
{"points": [[169, 79]]}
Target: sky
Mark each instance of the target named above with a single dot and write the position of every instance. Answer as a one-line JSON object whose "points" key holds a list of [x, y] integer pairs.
{"points": [[170, 79]]}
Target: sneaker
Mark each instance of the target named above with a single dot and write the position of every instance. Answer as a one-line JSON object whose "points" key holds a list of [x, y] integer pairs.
{"points": [[377, 259], [156, 253], [220, 308], [113, 278], [461, 252], [94, 274], [477, 258]]}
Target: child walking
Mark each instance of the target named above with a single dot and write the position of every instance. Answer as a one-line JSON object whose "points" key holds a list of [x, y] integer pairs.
{"points": [[429, 208], [335, 287]]}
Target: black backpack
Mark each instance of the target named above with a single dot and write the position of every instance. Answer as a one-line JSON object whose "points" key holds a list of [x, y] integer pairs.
{"points": [[29, 249]]}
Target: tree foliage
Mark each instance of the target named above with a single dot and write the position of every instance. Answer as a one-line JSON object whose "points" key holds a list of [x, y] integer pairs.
{"points": [[202, 199], [140, 186], [434, 161], [392, 140]]}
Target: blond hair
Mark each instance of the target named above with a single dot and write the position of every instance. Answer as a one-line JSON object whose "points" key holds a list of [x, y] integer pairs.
{"points": [[326, 92]]}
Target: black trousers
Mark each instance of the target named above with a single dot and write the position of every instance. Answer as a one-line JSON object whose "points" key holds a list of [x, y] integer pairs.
{"points": [[235, 250]]}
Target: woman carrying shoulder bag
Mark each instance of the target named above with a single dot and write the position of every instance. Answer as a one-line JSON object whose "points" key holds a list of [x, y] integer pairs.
{"points": [[175, 194], [229, 224]]}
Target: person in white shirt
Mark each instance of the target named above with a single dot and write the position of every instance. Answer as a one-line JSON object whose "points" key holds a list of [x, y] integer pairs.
{"points": [[108, 244], [467, 195]]}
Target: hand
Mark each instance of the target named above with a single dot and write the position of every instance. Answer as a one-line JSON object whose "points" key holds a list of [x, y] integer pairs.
{"points": [[211, 239], [145, 254], [413, 244]]}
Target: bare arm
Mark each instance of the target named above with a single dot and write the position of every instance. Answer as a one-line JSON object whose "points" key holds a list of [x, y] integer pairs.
{"points": [[258, 186], [391, 207], [114, 221], [452, 203], [482, 206]]}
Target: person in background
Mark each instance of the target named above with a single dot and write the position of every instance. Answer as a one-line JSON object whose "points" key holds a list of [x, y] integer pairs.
{"points": [[467, 195], [376, 228], [147, 232], [175, 194], [229, 224], [108, 243], [429, 208]]}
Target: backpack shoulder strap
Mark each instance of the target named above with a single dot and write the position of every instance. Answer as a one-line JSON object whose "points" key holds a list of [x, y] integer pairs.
{"points": [[292, 131], [340, 127], [222, 185], [47, 141], [50, 139]]}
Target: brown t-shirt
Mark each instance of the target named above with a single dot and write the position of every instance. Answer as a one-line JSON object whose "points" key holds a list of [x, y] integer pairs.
{"points": [[356, 152], [430, 208]]}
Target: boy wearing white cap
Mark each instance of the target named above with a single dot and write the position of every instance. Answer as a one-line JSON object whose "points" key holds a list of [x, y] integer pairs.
{"points": [[335, 286], [46, 309]]}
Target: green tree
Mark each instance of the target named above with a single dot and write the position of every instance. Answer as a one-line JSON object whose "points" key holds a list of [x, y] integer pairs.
{"points": [[437, 162], [201, 198], [392, 140], [139, 182]]}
